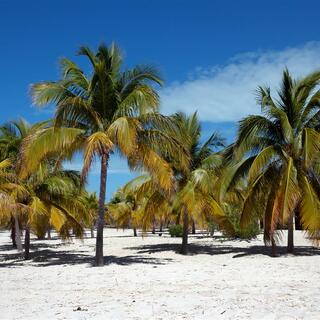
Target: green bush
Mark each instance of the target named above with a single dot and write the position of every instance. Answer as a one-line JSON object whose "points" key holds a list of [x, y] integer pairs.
{"points": [[211, 227], [176, 230], [250, 232]]}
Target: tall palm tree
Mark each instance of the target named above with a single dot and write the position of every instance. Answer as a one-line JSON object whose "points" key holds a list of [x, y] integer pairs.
{"points": [[106, 110], [194, 198], [280, 157]]}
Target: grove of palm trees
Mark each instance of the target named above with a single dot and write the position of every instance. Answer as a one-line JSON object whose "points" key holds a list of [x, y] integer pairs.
{"points": [[195, 199]]}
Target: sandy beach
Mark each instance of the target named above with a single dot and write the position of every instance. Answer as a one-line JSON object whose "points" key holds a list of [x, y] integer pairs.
{"points": [[144, 278]]}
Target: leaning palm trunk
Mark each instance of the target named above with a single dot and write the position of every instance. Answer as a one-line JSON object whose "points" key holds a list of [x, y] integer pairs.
{"points": [[13, 233], [27, 243], [290, 246], [184, 246], [101, 210], [18, 234]]}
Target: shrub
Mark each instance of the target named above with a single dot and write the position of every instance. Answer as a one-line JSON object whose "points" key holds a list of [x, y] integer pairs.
{"points": [[211, 227], [250, 232], [176, 230]]}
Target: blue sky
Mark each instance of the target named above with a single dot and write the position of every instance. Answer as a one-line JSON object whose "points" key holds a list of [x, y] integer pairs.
{"points": [[212, 53]]}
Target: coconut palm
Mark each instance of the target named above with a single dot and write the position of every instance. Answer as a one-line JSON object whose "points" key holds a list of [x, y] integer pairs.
{"points": [[280, 151], [107, 110], [12, 134], [91, 205], [124, 210], [194, 197], [7, 203], [50, 196]]}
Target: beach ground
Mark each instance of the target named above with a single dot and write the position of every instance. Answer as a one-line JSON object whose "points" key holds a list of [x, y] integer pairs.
{"points": [[145, 278]]}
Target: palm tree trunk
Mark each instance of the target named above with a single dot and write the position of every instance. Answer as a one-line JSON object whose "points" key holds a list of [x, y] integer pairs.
{"points": [[134, 232], [18, 234], [27, 243], [290, 246], [273, 248], [184, 246], [193, 228], [92, 232], [13, 232], [101, 212], [153, 228]]}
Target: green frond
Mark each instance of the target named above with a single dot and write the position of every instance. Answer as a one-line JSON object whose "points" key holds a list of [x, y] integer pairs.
{"points": [[96, 144], [123, 133], [47, 142], [262, 161]]}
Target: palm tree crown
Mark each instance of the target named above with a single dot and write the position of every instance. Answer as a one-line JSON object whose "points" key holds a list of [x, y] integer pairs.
{"points": [[281, 155]]}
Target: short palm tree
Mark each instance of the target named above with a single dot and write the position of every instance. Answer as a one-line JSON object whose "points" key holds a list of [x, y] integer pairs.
{"points": [[107, 110], [280, 151], [8, 207], [124, 209], [12, 134], [48, 196], [91, 205]]}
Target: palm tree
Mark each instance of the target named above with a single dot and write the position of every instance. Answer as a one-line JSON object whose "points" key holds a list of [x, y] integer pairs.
{"points": [[91, 204], [107, 110], [8, 207], [48, 196], [124, 209], [11, 136], [194, 198], [280, 157]]}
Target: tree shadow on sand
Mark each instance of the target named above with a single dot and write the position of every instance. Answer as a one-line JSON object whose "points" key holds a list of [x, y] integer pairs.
{"points": [[48, 257], [46, 254], [195, 249]]}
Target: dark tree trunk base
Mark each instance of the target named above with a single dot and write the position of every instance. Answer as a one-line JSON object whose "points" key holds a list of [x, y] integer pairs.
{"points": [[184, 245], [193, 228], [13, 233], [27, 243], [290, 247]]}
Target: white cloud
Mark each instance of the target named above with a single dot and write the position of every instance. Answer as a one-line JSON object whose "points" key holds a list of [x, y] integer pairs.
{"points": [[227, 93]]}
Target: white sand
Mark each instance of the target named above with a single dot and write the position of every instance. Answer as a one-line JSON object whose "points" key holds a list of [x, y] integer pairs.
{"points": [[146, 279]]}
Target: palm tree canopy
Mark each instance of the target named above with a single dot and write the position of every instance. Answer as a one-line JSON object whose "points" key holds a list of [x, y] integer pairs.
{"points": [[106, 110], [280, 150]]}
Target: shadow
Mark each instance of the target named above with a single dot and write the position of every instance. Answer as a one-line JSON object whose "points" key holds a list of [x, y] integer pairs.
{"points": [[47, 257], [194, 249], [280, 251], [35, 245]]}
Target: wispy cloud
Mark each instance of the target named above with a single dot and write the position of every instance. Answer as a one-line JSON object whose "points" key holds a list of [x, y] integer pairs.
{"points": [[227, 93]]}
